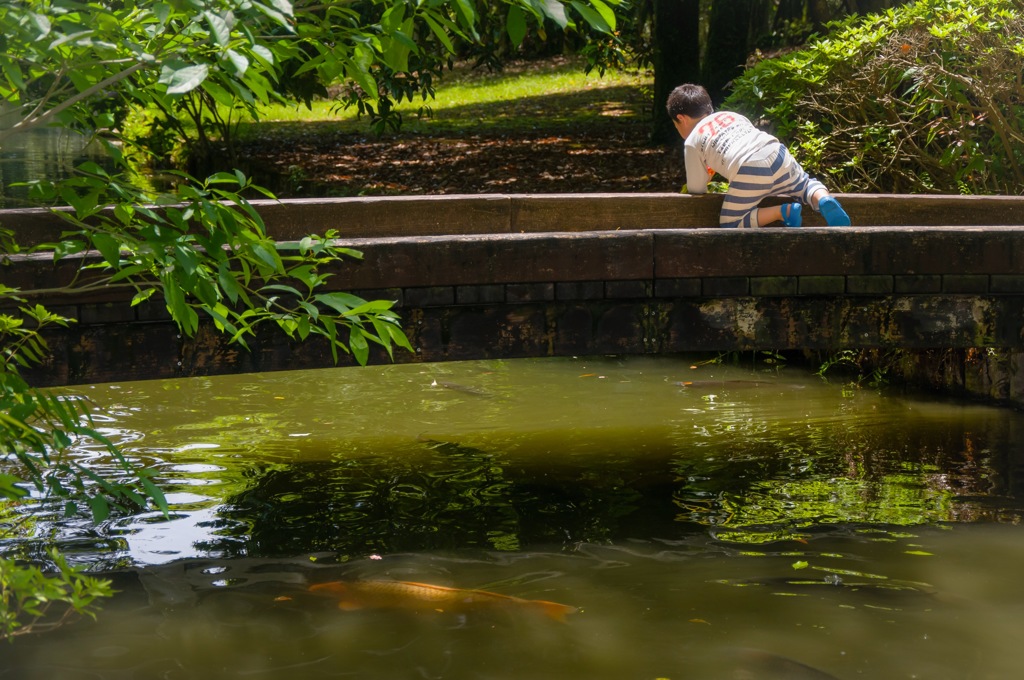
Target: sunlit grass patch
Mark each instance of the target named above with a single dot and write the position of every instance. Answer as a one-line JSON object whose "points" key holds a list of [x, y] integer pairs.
{"points": [[525, 94]]}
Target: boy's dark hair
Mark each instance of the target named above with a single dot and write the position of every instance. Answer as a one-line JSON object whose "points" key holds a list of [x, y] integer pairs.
{"points": [[689, 100]]}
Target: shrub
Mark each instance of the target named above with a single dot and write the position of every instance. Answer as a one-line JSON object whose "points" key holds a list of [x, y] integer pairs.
{"points": [[923, 98]]}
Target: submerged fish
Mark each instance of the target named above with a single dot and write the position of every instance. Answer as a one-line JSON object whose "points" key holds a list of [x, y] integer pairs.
{"points": [[757, 664], [882, 587], [465, 389], [739, 384], [427, 597]]}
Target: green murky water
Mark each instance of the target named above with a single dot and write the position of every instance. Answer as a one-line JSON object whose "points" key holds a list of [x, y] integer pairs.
{"points": [[42, 153], [708, 522]]}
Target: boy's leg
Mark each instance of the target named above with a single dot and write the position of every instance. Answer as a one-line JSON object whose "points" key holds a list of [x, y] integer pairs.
{"points": [[789, 214], [814, 193], [740, 210], [754, 182]]}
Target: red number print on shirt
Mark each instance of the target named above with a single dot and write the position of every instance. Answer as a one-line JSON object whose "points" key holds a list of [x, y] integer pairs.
{"points": [[715, 125]]}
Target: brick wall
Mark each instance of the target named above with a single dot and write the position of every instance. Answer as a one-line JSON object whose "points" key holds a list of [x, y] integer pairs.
{"points": [[529, 280]]}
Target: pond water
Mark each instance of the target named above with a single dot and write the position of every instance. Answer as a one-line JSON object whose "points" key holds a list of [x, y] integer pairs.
{"points": [[42, 153], [704, 520]]}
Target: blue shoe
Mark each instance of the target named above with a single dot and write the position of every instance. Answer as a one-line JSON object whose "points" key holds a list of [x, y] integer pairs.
{"points": [[833, 213], [791, 214]]}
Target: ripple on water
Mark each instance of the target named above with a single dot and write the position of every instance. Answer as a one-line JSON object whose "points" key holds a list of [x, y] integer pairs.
{"points": [[196, 468], [182, 500]]}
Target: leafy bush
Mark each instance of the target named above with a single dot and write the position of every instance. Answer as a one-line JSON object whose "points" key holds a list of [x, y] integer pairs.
{"points": [[924, 98], [32, 601]]}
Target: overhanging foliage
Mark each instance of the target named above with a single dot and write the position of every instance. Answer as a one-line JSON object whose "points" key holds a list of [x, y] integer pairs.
{"points": [[88, 65], [923, 98]]}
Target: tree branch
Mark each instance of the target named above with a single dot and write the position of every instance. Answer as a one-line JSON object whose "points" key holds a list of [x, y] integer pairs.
{"points": [[31, 122]]}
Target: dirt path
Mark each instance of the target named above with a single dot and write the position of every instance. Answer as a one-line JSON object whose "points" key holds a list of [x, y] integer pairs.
{"points": [[606, 160]]}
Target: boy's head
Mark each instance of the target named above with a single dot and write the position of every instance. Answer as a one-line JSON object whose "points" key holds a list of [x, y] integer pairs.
{"points": [[686, 105]]}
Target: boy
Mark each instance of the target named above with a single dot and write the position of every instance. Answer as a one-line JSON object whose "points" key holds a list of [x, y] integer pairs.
{"points": [[756, 165]]}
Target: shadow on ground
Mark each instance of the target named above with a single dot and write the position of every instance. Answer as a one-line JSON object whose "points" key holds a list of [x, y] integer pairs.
{"points": [[594, 140]]}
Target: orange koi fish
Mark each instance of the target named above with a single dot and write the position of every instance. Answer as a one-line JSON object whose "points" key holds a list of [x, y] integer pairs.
{"points": [[427, 597]]}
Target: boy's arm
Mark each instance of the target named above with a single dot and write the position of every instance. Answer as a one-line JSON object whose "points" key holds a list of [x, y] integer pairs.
{"points": [[697, 173]]}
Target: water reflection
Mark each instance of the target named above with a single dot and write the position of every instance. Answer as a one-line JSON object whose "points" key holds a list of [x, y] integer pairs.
{"points": [[448, 497], [707, 522], [507, 455], [42, 153]]}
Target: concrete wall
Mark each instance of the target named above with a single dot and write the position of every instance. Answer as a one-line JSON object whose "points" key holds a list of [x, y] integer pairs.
{"points": [[504, 276], [511, 213]]}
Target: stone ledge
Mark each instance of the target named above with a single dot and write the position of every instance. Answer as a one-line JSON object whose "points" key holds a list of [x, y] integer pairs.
{"points": [[111, 309], [906, 251], [385, 216]]}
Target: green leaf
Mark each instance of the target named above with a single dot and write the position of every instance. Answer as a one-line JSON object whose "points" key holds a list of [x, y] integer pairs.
{"points": [[360, 348], [606, 12], [268, 255], [400, 46], [554, 10], [229, 284], [593, 17], [280, 287], [142, 296], [218, 28], [400, 338], [263, 53], [9, 488], [182, 79], [340, 302], [100, 508], [371, 307], [187, 259], [516, 25], [78, 36], [219, 94], [310, 310], [41, 24], [128, 272], [239, 63], [359, 71], [13, 74], [219, 313], [280, 13], [390, 333], [85, 204], [206, 291], [283, 6], [108, 246], [154, 492], [441, 34], [180, 311], [467, 10]]}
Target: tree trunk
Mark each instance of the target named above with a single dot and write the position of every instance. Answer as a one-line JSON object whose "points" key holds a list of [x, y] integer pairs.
{"points": [[789, 11], [819, 13], [873, 6], [729, 44], [676, 58]]}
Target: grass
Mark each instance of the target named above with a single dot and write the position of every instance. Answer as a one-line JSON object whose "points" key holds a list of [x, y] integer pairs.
{"points": [[525, 94]]}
